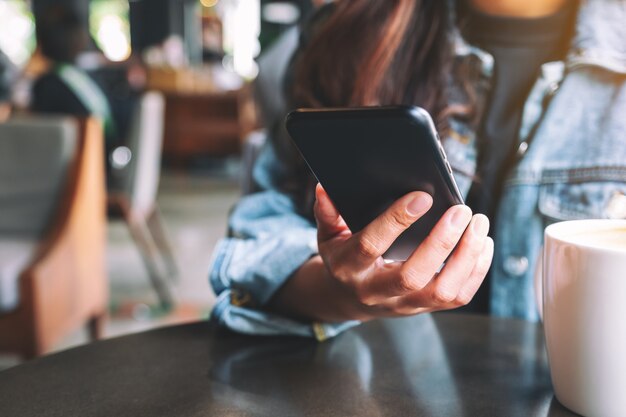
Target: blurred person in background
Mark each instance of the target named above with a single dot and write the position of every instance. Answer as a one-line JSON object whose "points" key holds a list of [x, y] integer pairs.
{"points": [[7, 76], [530, 101], [65, 88]]}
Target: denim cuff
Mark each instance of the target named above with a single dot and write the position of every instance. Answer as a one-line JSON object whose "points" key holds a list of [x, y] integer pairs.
{"points": [[257, 322], [254, 269], [246, 273]]}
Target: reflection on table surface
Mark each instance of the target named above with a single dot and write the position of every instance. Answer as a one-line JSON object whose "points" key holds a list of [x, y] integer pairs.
{"points": [[447, 365], [440, 365]]}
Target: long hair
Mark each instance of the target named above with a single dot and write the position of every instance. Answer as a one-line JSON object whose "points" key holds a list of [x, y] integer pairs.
{"points": [[371, 52], [378, 52]]}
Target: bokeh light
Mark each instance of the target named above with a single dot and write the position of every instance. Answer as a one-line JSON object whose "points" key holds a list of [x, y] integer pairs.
{"points": [[209, 3], [112, 39], [110, 28], [242, 27], [17, 37]]}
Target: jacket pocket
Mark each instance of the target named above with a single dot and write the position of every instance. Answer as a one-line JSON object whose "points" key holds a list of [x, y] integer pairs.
{"points": [[588, 193]]}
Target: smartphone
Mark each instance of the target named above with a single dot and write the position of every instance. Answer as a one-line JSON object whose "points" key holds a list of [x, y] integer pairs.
{"points": [[367, 158]]}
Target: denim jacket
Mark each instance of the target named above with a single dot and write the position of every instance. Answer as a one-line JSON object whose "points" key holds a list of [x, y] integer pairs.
{"points": [[571, 165]]}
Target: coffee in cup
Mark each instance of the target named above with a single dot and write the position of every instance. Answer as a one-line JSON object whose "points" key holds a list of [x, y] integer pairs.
{"points": [[611, 238]]}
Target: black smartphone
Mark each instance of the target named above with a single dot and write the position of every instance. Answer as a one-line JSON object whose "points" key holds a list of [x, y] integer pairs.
{"points": [[367, 158]]}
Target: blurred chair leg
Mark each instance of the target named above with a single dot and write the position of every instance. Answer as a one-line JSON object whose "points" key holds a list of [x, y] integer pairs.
{"points": [[95, 326], [140, 233], [147, 248], [155, 225]]}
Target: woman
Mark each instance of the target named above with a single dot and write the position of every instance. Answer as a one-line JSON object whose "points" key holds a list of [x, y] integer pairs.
{"points": [[534, 130]]}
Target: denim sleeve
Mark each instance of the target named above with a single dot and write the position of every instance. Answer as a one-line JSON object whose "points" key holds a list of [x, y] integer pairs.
{"points": [[267, 243]]}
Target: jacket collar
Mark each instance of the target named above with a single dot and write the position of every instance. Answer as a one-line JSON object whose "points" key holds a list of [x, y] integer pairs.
{"points": [[600, 38]]}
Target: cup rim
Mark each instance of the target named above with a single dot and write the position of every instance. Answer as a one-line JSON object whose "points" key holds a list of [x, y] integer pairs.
{"points": [[552, 230]]}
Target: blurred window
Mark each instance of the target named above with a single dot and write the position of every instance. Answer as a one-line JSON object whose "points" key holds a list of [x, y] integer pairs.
{"points": [[17, 30], [110, 28]]}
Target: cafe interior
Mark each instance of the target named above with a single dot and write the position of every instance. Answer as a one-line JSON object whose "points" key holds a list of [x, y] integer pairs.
{"points": [[151, 264], [99, 241]]}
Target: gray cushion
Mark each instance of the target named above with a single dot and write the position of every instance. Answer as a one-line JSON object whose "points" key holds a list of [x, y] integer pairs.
{"points": [[147, 134], [139, 179], [15, 254], [273, 64], [252, 146], [34, 155]]}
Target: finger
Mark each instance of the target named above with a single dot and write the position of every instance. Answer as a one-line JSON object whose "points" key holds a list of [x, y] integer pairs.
{"points": [[401, 282], [420, 268], [329, 222], [376, 238], [422, 301], [477, 276], [446, 286]]}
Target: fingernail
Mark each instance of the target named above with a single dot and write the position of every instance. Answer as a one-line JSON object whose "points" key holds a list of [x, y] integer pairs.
{"points": [[318, 189], [418, 205], [480, 225], [461, 217]]}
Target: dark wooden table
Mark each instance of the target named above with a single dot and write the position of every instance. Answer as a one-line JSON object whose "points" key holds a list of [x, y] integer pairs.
{"points": [[441, 365]]}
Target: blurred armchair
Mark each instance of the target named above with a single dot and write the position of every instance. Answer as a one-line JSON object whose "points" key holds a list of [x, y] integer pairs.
{"points": [[133, 190], [52, 232]]}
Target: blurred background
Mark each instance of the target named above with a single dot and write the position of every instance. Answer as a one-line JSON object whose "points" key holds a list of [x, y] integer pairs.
{"points": [[127, 131]]}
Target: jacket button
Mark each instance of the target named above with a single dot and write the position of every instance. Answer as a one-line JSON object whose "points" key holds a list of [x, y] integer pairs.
{"points": [[522, 149], [515, 265], [616, 207]]}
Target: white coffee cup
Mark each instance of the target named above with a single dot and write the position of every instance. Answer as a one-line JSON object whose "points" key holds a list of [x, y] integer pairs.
{"points": [[584, 314]]}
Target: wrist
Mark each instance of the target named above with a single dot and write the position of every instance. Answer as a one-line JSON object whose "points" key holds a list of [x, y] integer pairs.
{"points": [[312, 294]]}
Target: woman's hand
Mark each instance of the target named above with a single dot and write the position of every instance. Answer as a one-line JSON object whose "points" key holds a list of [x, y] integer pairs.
{"points": [[350, 279]]}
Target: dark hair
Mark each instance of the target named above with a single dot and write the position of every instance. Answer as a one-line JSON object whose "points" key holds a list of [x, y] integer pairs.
{"points": [[371, 52], [378, 52], [60, 33]]}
